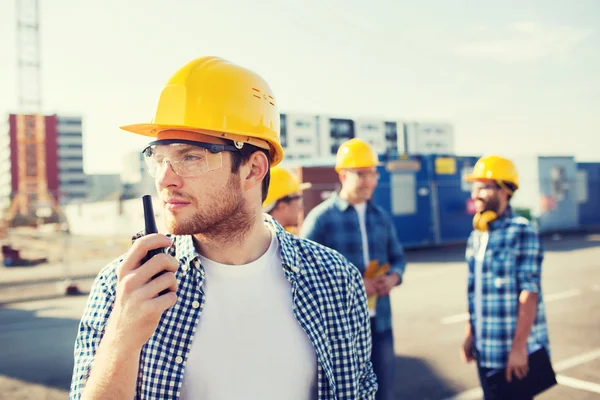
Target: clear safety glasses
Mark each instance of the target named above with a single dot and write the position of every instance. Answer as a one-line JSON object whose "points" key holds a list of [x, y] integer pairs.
{"points": [[186, 158]]}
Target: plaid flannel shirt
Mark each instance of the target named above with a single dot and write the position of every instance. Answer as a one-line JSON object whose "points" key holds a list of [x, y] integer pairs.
{"points": [[334, 223], [512, 263], [330, 305]]}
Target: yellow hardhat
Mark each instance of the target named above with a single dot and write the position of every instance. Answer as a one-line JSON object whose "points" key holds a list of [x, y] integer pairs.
{"points": [[283, 183], [215, 97], [495, 168], [355, 153]]}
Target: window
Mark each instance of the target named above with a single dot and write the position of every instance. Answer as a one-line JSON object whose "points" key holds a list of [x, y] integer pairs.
{"points": [[69, 121], [341, 129], [302, 124], [283, 130], [71, 146], [72, 169], [70, 134], [75, 195], [77, 182]]}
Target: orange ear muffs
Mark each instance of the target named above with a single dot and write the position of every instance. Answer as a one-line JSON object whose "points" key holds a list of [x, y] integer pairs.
{"points": [[482, 220]]}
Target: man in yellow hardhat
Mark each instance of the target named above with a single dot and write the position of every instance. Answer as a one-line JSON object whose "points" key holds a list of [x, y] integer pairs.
{"points": [[504, 254], [284, 199], [363, 232], [250, 311]]}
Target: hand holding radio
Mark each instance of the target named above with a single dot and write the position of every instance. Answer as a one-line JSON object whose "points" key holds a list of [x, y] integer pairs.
{"points": [[146, 287]]}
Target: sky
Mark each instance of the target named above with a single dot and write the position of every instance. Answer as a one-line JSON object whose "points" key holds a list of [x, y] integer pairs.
{"points": [[512, 77]]}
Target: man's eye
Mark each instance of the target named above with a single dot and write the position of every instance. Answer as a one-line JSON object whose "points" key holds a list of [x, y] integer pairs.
{"points": [[192, 157]]}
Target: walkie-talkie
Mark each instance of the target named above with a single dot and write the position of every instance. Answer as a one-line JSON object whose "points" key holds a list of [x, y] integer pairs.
{"points": [[150, 227]]}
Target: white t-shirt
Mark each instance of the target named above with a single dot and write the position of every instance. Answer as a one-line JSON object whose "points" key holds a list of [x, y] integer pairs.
{"points": [[248, 344], [479, 258], [361, 210]]}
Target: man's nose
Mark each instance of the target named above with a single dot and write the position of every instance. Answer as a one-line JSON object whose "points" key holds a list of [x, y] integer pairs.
{"points": [[166, 176]]}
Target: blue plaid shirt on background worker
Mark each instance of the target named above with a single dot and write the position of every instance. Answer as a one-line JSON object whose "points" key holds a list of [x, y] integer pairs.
{"points": [[512, 263], [339, 229], [330, 304]]}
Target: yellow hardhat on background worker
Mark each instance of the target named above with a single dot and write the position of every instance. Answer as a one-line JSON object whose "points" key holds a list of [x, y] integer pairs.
{"points": [[215, 97], [284, 198], [283, 184], [355, 153], [495, 168]]}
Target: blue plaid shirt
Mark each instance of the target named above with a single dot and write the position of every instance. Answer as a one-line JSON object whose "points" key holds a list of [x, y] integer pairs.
{"points": [[334, 223], [330, 304], [512, 263]]}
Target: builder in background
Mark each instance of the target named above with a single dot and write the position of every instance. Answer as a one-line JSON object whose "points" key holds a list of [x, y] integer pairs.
{"points": [[284, 199], [504, 255], [350, 223]]}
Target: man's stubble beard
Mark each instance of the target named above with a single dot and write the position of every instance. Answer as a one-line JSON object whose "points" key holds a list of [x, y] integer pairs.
{"points": [[228, 218]]}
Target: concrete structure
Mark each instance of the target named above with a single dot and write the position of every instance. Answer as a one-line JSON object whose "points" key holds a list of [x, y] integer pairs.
{"points": [[73, 183], [62, 164]]}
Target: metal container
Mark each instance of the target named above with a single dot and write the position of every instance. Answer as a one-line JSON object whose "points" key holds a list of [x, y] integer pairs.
{"points": [[404, 192], [548, 191], [324, 180], [588, 189], [451, 197]]}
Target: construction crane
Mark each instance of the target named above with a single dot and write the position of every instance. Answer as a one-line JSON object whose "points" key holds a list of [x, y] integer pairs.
{"points": [[33, 199], [28, 56]]}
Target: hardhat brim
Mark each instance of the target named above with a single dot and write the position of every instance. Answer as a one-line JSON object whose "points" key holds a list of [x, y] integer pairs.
{"points": [[377, 164], [475, 178]]}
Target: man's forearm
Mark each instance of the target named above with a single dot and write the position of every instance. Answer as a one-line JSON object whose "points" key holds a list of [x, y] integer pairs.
{"points": [[114, 373], [527, 312]]}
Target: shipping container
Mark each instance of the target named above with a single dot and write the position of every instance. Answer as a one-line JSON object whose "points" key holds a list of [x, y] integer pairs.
{"points": [[404, 191], [451, 196], [324, 180], [588, 189], [548, 192]]}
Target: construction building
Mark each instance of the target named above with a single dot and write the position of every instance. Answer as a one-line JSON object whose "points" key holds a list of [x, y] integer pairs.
{"points": [[41, 162]]}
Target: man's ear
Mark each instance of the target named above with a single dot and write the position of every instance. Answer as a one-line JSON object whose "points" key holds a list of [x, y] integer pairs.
{"points": [[279, 206], [505, 194], [255, 170]]}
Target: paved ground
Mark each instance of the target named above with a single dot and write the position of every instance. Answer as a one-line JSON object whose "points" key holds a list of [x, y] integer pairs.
{"points": [[429, 322], [37, 336]]}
